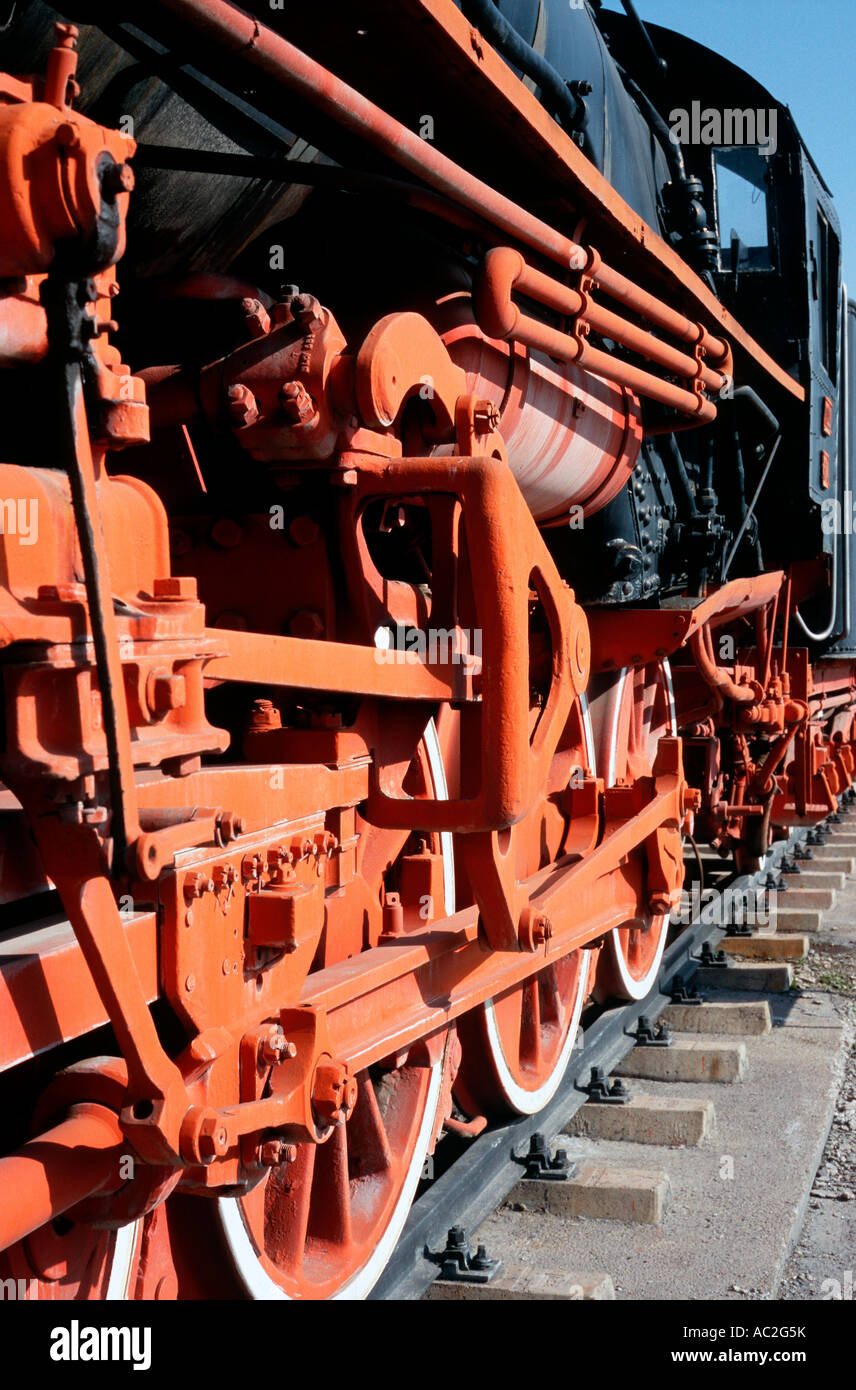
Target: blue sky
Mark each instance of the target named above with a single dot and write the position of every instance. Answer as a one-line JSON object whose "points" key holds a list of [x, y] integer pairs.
{"points": [[805, 54]]}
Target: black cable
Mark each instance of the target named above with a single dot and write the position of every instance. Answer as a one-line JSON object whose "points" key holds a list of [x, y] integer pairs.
{"points": [[556, 96], [671, 148]]}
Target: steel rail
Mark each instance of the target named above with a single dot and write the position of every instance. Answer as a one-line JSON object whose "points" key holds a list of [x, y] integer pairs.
{"points": [[479, 1180]]}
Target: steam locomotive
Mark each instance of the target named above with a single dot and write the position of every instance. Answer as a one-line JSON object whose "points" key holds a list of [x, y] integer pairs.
{"points": [[447, 523]]}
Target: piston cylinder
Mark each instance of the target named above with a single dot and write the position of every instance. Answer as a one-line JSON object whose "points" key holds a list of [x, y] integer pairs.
{"points": [[572, 438]]}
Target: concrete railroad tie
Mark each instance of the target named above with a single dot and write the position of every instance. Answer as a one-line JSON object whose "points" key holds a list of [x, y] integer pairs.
{"points": [[760, 979], [664, 1120], [601, 1193], [780, 947], [751, 1018], [517, 1283], [688, 1059]]}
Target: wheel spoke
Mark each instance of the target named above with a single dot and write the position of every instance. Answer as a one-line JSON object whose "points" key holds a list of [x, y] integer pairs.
{"points": [[550, 993], [330, 1218], [509, 1013], [286, 1210], [530, 1035], [368, 1140]]}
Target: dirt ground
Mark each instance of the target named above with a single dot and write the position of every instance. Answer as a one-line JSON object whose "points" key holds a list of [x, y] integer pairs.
{"points": [[823, 1264]]}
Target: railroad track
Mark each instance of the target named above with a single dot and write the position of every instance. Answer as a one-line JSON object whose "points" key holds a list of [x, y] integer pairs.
{"points": [[476, 1177]]}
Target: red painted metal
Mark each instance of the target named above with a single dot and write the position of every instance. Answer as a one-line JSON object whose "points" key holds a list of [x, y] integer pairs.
{"points": [[572, 438], [59, 1168], [398, 874], [441, 33], [505, 270]]}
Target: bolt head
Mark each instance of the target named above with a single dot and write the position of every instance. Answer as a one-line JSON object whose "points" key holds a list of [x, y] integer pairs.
{"points": [[304, 531], [296, 403], [257, 317], [227, 534], [264, 715], [486, 417], [272, 1152], [213, 1138], [242, 406], [273, 1049], [195, 884], [68, 135], [167, 692], [659, 904], [691, 799], [542, 927], [230, 827], [118, 178], [175, 588], [334, 1093], [269, 1153]]}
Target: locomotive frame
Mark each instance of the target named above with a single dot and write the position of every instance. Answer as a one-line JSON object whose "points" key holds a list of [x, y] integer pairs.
{"points": [[280, 910]]}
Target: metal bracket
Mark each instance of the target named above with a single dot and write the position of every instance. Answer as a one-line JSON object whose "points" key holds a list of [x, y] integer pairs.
{"points": [[682, 992], [650, 1034], [541, 1164], [601, 1092], [458, 1264], [713, 960]]}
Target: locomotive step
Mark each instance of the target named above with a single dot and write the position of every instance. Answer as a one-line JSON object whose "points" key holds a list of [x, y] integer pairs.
{"points": [[779, 947], [601, 1193], [688, 1059], [517, 1283], [751, 1018], [665, 1120]]}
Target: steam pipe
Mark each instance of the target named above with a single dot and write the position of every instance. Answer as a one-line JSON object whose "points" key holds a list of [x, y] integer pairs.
{"points": [[236, 32], [746, 393], [505, 270], [702, 649]]}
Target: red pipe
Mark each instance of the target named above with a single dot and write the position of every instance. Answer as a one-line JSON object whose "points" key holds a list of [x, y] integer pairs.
{"points": [[467, 1129], [239, 33], [58, 1169], [658, 313], [499, 317], [702, 649], [645, 384], [638, 340]]}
